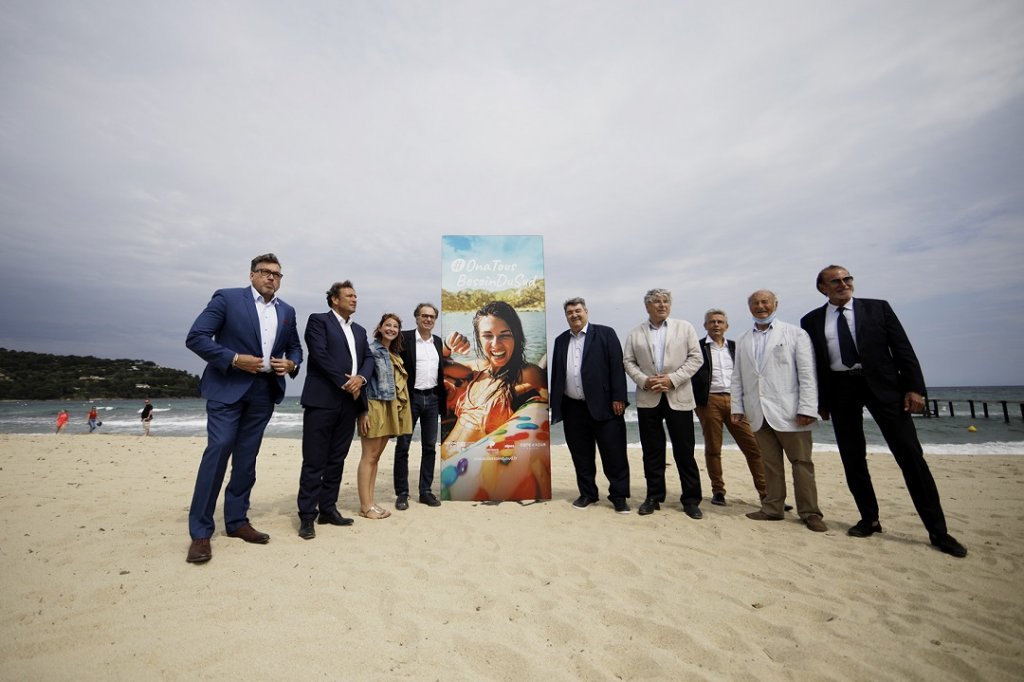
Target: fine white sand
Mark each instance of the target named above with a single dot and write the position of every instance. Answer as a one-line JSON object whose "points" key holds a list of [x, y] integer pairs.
{"points": [[95, 583]]}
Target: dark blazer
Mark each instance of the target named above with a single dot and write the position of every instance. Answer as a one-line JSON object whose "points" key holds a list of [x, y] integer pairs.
{"points": [[604, 379], [230, 325], [890, 366], [701, 381], [330, 361], [408, 356]]}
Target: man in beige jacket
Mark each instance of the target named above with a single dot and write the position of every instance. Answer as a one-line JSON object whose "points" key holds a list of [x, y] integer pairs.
{"points": [[774, 388], [660, 356]]}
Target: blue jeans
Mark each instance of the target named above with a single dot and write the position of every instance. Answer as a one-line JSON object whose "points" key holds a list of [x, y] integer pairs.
{"points": [[425, 410]]}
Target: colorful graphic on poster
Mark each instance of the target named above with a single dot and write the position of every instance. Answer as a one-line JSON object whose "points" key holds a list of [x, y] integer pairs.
{"points": [[495, 437]]}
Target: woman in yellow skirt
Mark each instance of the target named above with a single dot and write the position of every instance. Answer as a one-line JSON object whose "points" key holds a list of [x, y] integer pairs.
{"points": [[389, 413]]}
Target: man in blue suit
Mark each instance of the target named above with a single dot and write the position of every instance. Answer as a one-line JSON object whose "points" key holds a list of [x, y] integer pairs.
{"points": [[588, 389], [249, 340], [340, 365]]}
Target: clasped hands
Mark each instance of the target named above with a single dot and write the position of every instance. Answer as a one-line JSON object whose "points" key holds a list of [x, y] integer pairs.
{"points": [[354, 385], [659, 383], [254, 363]]}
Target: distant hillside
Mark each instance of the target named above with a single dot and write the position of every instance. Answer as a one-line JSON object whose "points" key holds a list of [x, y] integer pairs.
{"points": [[529, 297], [41, 376]]}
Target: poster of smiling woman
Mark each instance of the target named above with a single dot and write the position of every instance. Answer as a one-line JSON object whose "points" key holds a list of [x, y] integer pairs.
{"points": [[495, 434]]}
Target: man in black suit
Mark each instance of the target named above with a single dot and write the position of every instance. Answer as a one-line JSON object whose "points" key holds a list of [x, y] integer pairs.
{"points": [[339, 366], [711, 391], [864, 359], [423, 355], [588, 390]]}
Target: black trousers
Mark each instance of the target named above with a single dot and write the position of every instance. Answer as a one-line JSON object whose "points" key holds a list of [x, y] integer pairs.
{"points": [[582, 433], [652, 422], [326, 437], [850, 395]]}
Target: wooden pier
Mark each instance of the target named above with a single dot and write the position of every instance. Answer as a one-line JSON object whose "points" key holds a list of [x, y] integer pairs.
{"points": [[933, 411]]}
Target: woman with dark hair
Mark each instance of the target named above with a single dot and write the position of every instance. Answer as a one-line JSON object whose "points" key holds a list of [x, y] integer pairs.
{"points": [[486, 393], [389, 413]]}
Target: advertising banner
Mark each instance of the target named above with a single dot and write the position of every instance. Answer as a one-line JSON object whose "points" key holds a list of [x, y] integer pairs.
{"points": [[495, 435]]}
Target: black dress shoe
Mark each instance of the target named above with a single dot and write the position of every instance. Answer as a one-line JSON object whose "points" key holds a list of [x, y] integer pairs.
{"points": [[718, 499], [402, 502], [429, 499], [948, 544], [582, 502], [199, 551], [649, 506], [864, 529], [306, 531], [693, 511], [620, 504], [334, 518]]}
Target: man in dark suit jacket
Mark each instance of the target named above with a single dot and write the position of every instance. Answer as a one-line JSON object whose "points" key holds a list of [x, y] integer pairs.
{"points": [[864, 359], [249, 341], [423, 357], [711, 391], [588, 390], [340, 364]]}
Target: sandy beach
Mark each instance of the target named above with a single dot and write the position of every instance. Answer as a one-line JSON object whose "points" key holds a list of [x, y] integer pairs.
{"points": [[95, 583]]}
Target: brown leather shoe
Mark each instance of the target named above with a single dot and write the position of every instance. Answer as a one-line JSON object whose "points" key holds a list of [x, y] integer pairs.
{"points": [[199, 552], [815, 523], [249, 534], [761, 516]]}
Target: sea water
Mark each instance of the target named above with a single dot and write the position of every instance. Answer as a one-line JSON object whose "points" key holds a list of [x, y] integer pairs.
{"points": [[187, 417]]}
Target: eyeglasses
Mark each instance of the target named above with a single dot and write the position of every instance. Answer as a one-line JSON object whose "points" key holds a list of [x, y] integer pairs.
{"points": [[273, 274], [428, 317], [848, 280]]}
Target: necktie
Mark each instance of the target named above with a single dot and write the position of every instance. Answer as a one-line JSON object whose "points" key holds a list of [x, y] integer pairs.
{"points": [[847, 349]]}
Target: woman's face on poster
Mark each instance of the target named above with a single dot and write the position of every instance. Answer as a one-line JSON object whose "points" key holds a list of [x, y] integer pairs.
{"points": [[496, 340]]}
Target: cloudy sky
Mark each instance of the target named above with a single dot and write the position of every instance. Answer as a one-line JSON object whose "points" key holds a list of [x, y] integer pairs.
{"points": [[148, 150]]}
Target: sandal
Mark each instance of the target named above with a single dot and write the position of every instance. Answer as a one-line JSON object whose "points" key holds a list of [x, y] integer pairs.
{"points": [[374, 512]]}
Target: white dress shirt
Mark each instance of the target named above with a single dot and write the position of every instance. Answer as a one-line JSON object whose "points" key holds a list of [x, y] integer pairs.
{"points": [[658, 344], [721, 366], [574, 364], [267, 312], [760, 343], [835, 357], [346, 328], [427, 361]]}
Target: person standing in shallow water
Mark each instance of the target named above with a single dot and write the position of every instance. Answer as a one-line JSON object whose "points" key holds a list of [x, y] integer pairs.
{"points": [[62, 420], [147, 417]]}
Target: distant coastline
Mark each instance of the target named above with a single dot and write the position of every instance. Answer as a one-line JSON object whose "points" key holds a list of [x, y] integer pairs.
{"points": [[25, 375]]}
